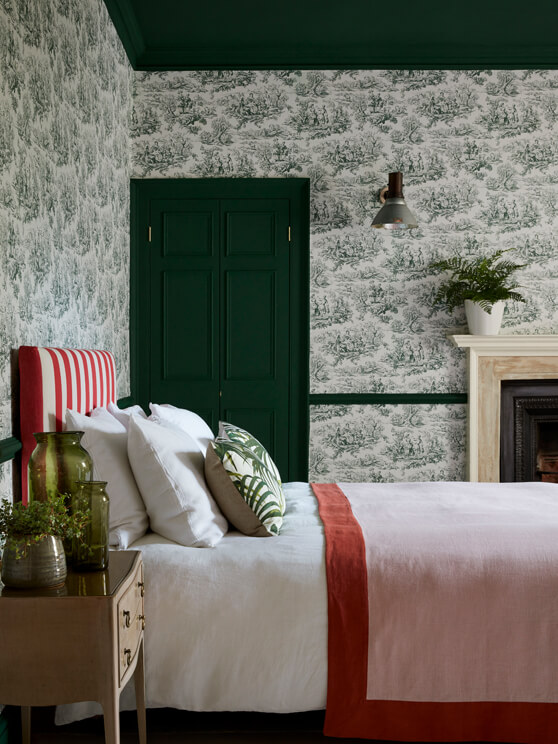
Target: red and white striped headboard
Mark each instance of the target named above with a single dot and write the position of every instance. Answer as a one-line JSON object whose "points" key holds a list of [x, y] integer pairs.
{"points": [[52, 380]]}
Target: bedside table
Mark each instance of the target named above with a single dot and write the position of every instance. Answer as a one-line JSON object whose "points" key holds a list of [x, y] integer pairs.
{"points": [[82, 641]]}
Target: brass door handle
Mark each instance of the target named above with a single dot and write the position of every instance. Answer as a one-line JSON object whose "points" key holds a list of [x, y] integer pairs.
{"points": [[142, 618], [128, 655], [141, 586], [127, 621]]}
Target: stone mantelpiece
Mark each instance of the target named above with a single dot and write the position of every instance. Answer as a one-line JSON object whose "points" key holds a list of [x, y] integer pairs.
{"points": [[492, 359]]}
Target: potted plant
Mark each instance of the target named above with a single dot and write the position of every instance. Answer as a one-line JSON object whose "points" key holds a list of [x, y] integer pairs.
{"points": [[33, 554], [482, 284]]}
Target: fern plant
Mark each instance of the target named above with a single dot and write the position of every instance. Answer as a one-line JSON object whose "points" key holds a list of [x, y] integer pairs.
{"points": [[484, 280]]}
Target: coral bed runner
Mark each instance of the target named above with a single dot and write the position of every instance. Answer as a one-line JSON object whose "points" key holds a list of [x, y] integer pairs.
{"points": [[451, 634]]}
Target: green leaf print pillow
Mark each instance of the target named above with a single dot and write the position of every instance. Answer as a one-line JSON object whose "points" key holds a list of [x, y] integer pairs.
{"points": [[248, 493], [236, 434]]}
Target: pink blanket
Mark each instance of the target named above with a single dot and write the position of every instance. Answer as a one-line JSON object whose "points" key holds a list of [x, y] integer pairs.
{"points": [[460, 609]]}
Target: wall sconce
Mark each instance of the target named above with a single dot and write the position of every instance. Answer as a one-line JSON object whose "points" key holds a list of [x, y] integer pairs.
{"points": [[395, 214]]}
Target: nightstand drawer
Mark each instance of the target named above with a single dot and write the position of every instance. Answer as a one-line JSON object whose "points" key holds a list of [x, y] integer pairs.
{"points": [[129, 639], [130, 622], [133, 594]]}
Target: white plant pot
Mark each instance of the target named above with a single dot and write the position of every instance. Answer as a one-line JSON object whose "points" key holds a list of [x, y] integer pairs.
{"points": [[482, 323]]}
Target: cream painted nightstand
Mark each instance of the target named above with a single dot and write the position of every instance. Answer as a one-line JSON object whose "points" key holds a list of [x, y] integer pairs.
{"points": [[80, 642]]}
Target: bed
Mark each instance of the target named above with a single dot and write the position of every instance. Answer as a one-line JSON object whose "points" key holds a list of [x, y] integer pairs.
{"points": [[281, 671], [289, 623]]}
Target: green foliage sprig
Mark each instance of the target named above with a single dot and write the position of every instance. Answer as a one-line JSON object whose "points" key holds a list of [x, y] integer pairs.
{"points": [[39, 519], [484, 280]]}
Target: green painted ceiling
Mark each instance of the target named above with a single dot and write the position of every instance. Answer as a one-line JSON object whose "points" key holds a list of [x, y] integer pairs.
{"points": [[252, 34]]}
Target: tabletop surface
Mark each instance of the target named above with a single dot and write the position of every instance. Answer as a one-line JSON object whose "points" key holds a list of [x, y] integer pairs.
{"points": [[86, 583]]}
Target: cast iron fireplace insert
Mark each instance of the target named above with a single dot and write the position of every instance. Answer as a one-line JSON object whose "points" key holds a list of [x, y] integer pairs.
{"points": [[529, 431]]}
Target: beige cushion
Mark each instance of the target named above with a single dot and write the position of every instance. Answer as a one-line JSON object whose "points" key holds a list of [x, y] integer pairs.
{"points": [[230, 501]]}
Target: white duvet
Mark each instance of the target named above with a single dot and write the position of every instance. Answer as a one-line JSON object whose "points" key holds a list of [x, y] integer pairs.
{"points": [[238, 627]]}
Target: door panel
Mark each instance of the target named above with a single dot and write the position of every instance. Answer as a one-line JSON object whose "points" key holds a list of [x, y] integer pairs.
{"points": [[221, 299], [183, 288], [251, 325], [188, 233], [187, 325], [249, 233], [189, 227], [261, 420], [255, 322]]}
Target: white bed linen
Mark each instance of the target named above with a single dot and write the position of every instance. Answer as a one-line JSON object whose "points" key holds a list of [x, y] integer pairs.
{"points": [[238, 627]]}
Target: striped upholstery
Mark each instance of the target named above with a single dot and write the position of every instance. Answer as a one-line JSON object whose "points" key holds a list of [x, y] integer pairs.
{"points": [[52, 380]]}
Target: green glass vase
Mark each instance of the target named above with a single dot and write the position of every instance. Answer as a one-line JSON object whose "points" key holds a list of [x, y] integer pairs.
{"points": [[56, 464], [91, 552]]}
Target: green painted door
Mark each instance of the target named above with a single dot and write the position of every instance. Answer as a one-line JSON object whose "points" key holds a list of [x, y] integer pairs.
{"points": [[220, 305]]}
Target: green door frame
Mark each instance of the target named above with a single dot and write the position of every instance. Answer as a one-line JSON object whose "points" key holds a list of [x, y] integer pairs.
{"points": [[297, 190]]}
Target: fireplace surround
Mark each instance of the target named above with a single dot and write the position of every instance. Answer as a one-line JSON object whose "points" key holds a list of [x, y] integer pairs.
{"points": [[490, 361]]}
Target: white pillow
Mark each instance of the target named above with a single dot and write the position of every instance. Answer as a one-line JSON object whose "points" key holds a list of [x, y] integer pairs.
{"points": [[187, 421], [168, 468], [123, 414], [106, 441]]}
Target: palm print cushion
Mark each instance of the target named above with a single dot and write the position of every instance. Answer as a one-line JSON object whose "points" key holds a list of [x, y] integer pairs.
{"points": [[236, 434], [256, 484]]}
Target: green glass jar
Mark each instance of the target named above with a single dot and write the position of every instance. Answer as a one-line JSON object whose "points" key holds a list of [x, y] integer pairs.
{"points": [[91, 552], [56, 464]]}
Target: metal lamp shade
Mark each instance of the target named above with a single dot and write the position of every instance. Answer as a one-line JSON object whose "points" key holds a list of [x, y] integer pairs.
{"points": [[395, 215]]}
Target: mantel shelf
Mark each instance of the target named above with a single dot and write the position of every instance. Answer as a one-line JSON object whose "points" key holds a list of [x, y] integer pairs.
{"points": [[511, 345]]}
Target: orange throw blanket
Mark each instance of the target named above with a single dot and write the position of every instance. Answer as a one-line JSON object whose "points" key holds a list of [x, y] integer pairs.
{"points": [[442, 611]]}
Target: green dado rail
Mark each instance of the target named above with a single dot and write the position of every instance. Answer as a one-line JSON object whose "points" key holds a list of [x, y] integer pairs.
{"points": [[10, 446]]}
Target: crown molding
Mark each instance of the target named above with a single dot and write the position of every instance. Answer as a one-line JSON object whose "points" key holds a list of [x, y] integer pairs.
{"points": [[190, 38], [127, 27], [377, 56]]}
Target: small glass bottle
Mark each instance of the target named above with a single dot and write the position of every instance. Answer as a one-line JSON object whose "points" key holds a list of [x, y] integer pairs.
{"points": [[90, 552]]}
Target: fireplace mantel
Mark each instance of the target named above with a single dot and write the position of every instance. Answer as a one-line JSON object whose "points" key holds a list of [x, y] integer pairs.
{"points": [[492, 359]]}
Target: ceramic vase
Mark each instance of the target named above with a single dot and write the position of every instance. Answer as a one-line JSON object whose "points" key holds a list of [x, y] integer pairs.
{"points": [[482, 323], [34, 565]]}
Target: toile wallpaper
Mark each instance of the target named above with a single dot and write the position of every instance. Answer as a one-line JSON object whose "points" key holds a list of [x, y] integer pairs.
{"points": [[382, 443], [479, 155], [65, 110]]}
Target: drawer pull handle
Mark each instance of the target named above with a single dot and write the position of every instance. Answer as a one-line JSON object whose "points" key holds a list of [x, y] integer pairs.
{"points": [[140, 584], [127, 621], [142, 618], [128, 655]]}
